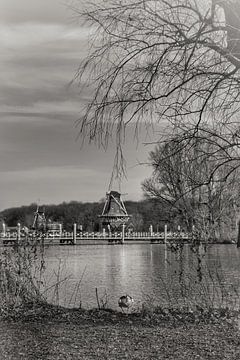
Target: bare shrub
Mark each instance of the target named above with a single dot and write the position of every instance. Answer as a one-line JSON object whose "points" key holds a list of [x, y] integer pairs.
{"points": [[21, 269], [194, 286]]}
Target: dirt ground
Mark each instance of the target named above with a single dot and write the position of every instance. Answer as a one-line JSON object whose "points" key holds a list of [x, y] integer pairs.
{"points": [[113, 337]]}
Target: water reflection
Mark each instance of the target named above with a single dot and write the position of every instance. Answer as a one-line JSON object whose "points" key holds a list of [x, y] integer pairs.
{"points": [[140, 270]]}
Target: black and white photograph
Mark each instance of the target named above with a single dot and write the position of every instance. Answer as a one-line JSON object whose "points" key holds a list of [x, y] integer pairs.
{"points": [[120, 179]]}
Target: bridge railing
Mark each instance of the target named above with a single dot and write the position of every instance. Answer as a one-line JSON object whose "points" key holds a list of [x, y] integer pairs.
{"points": [[70, 236]]}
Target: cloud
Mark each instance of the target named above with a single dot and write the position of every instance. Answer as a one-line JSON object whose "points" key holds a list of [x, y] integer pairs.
{"points": [[39, 62], [31, 34], [54, 184], [49, 173], [47, 11], [50, 184], [41, 48]]}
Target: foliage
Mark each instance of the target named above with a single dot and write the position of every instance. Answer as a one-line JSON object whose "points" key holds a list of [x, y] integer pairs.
{"points": [[144, 213]]}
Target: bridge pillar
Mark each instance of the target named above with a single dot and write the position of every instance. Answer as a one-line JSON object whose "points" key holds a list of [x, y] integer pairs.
{"points": [[18, 231], [4, 229], [179, 233], [123, 233], [60, 231], [165, 244], [74, 234], [165, 234], [151, 230]]}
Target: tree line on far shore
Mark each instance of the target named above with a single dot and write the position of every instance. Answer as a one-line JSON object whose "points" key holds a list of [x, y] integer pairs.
{"points": [[142, 214]]}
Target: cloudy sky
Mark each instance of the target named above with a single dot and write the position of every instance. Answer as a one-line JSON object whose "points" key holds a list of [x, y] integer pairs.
{"points": [[41, 46]]}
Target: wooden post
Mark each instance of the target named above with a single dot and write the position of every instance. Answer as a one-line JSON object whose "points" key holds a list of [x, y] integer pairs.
{"points": [[4, 229], [18, 231], [60, 231], [110, 240], [151, 230], [74, 234], [165, 234], [165, 244], [123, 233], [193, 233], [179, 233]]}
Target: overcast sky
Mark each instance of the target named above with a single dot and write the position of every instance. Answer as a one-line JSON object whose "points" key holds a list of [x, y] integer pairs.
{"points": [[40, 158]]}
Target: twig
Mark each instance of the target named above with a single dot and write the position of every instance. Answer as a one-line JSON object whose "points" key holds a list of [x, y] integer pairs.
{"points": [[99, 307]]}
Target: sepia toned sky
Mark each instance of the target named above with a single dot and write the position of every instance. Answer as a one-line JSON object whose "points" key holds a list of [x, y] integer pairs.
{"points": [[42, 44]]}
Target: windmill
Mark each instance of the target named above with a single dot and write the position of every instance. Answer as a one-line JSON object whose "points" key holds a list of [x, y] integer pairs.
{"points": [[39, 221], [114, 213]]}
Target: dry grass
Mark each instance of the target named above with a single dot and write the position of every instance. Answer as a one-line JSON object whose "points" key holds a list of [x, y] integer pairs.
{"points": [[20, 276], [57, 333]]}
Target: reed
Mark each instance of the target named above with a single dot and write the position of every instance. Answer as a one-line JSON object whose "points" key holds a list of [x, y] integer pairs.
{"points": [[21, 269], [187, 285], [193, 286]]}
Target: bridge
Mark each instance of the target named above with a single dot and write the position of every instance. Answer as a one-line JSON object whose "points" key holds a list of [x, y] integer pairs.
{"points": [[79, 237], [113, 218]]}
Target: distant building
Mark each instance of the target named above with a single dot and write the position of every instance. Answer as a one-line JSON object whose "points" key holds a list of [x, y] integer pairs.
{"points": [[114, 213], [39, 221], [53, 226]]}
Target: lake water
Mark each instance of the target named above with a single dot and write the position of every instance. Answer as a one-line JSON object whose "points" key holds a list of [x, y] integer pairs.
{"points": [[140, 270]]}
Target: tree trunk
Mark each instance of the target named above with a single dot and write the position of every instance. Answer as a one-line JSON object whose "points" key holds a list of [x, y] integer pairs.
{"points": [[238, 235]]}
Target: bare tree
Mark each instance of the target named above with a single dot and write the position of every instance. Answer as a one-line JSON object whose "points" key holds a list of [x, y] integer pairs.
{"points": [[161, 60], [204, 194], [173, 62]]}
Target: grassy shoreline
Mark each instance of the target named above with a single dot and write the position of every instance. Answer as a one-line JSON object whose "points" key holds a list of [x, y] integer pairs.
{"points": [[50, 332], [186, 326]]}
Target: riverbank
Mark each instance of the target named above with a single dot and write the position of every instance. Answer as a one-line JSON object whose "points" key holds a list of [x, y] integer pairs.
{"points": [[47, 332]]}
